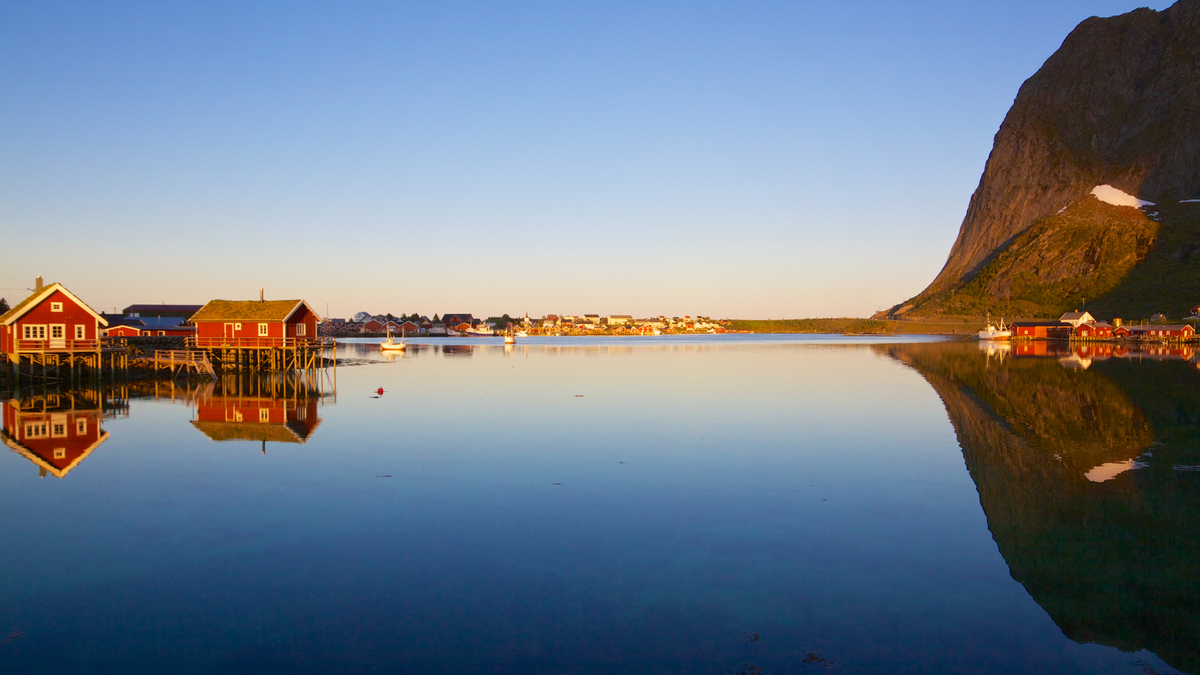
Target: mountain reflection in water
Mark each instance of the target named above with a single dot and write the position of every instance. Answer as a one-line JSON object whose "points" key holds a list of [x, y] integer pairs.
{"points": [[1082, 474]]}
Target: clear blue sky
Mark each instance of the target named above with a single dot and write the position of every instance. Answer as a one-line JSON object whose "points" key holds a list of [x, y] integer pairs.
{"points": [[742, 159]]}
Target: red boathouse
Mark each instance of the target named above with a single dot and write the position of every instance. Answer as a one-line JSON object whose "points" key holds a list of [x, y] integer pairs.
{"points": [[54, 323]]}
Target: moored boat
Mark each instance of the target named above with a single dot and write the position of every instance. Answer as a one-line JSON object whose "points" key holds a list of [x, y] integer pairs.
{"points": [[990, 332]]}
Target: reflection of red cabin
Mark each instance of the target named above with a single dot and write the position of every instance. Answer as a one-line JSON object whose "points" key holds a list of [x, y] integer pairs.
{"points": [[1040, 330], [52, 319], [262, 419], [56, 441], [250, 323]]}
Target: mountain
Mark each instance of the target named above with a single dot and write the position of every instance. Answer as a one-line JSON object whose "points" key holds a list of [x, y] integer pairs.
{"points": [[1118, 104]]}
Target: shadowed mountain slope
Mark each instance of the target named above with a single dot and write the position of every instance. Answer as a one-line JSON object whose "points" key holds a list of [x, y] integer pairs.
{"points": [[1118, 104]]}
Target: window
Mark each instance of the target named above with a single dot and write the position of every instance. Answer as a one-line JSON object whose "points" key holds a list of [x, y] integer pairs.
{"points": [[262, 330], [162, 332], [57, 331], [300, 328], [80, 331], [60, 453], [80, 426], [36, 430], [58, 428], [56, 307], [237, 326], [33, 332], [264, 414]]}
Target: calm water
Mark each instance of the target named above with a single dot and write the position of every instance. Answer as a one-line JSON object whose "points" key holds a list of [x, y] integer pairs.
{"points": [[699, 505]]}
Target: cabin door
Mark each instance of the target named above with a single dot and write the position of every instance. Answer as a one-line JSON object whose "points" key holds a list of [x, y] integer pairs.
{"points": [[229, 332], [58, 336]]}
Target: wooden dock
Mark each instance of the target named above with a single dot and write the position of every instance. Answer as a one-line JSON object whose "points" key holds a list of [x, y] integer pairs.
{"points": [[178, 361]]}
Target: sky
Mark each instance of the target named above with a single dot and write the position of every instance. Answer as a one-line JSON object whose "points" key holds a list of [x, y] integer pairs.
{"points": [[724, 159]]}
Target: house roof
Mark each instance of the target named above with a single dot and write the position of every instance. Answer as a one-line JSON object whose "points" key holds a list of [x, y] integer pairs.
{"points": [[21, 308], [1161, 326], [1027, 324], [250, 310], [191, 309], [1073, 316], [291, 432]]}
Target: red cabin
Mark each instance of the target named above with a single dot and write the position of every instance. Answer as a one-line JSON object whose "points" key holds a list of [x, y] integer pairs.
{"points": [[1162, 332], [1094, 331], [255, 323], [50, 320], [256, 418], [1040, 330]]}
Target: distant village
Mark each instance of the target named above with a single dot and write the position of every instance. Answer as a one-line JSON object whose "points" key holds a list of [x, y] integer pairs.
{"points": [[458, 325]]}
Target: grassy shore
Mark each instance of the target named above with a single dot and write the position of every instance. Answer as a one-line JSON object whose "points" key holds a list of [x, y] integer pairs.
{"points": [[938, 326]]}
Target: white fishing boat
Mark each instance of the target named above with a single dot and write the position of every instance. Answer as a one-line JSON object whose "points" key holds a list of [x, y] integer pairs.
{"points": [[390, 345], [480, 331], [509, 338], [521, 334], [991, 332]]}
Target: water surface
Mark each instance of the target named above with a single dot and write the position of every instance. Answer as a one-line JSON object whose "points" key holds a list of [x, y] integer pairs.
{"points": [[621, 505]]}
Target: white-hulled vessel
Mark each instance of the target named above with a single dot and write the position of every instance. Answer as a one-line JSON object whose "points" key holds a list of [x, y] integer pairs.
{"points": [[991, 332], [390, 344]]}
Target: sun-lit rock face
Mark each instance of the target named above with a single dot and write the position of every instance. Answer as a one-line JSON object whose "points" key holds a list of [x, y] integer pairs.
{"points": [[1118, 105]]}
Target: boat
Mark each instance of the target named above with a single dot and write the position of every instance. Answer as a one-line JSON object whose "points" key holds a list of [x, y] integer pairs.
{"points": [[509, 338], [390, 344], [480, 331], [991, 332], [521, 334]]}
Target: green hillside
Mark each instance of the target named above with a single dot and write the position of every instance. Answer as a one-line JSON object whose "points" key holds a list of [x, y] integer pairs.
{"points": [[1116, 261]]}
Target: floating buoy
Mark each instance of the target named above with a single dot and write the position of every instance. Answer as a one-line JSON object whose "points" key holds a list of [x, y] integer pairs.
{"points": [[379, 391]]}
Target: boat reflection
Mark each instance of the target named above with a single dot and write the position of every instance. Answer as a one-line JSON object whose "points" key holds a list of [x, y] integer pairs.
{"points": [[55, 430], [1087, 476], [275, 409]]}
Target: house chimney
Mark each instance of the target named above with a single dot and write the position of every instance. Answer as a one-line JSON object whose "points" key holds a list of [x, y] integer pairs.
{"points": [[37, 284], [260, 295]]}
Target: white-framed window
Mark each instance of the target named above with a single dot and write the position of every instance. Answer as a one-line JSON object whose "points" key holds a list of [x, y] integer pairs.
{"points": [[57, 331], [237, 326], [60, 453], [264, 414], [162, 332], [300, 328], [33, 332], [262, 330], [37, 430], [58, 429], [56, 307], [81, 426], [80, 331]]}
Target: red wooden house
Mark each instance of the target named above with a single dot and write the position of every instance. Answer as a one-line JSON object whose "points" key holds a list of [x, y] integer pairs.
{"points": [[1099, 330], [409, 328], [1161, 332], [52, 319], [255, 323], [1040, 330], [55, 439], [374, 326]]}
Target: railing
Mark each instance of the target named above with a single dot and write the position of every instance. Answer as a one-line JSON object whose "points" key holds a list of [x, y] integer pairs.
{"points": [[58, 345], [259, 342]]}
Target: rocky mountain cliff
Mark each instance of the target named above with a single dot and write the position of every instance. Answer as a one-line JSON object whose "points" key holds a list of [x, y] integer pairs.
{"points": [[1118, 104]]}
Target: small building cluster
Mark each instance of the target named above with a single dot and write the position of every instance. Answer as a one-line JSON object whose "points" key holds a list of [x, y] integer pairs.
{"points": [[452, 324], [1083, 326]]}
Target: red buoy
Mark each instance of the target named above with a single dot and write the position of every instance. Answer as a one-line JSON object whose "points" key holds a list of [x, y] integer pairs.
{"points": [[379, 391]]}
